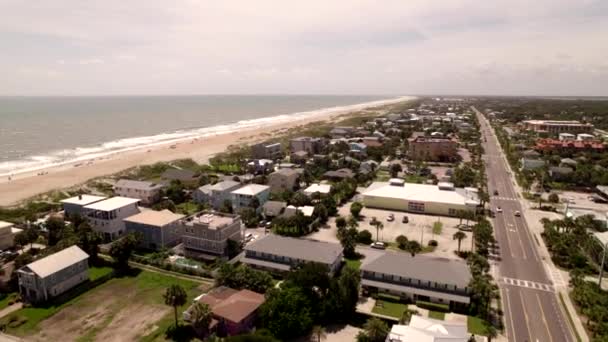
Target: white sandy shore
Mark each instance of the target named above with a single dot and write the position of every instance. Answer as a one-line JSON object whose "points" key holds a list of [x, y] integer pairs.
{"points": [[25, 185]]}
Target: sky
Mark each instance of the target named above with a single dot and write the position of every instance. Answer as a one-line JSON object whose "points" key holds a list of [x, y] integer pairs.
{"points": [[152, 47]]}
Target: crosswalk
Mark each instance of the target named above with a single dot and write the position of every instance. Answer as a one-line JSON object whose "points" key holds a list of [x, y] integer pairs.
{"points": [[528, 284], [503, 198]]}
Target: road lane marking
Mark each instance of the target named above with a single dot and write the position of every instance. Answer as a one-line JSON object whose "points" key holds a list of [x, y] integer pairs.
{"points": [[523, 308], [511, 325], [528, 284], [542, 313]]}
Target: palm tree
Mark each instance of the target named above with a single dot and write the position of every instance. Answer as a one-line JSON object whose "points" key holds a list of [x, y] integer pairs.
{"points": [[175, 296], [375, 329], [491, 332], [318, 333], [379, 226], [459, 236], [407, 316], [200, 316], [413, 247]]}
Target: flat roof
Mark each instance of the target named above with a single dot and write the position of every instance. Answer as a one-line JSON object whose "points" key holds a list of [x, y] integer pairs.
{"points": [[212, 220], [4, 224], [83, 199], [155, 218], [316, 187], [251, 189], [112, 203], [441, 270], [420, 193], [303, 249], [58, 261]]}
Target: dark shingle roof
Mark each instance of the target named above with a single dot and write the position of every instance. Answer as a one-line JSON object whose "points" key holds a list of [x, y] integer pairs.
{"points": [[303, 249]]}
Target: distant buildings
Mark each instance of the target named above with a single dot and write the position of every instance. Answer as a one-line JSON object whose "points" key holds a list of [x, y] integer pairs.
{"points": [[53, 275], [107, 216], [432, 149], [244, 197], [431, 279], [217, 193], [147, 192], [7, 235], [234, 311], [307, 144], [74, 205], [556, 127], [206, 234], [544, 145], [158, 229], [339, 175], [283, 180], [531, 164], [440, 199], [267, 151], [280, 254], [423, 329]]}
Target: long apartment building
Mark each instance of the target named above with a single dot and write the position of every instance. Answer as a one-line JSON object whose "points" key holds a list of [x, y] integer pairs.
{"points": [[556, 127], [206, 234], [432, 148]]}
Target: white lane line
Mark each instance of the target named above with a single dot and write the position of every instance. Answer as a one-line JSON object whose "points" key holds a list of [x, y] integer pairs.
{"points": [[542, 312], [507, 304]]}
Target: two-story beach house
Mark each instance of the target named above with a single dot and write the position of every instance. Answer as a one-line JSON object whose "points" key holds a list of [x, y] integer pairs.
{"points": [[147, 192], [107, 216], [158, 229], [206, 234], [243, 197], [74, 205], [53, 275]]}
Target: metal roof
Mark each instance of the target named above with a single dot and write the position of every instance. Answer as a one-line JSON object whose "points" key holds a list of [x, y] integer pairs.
{"points": [[57, 262], [303, 249], [251, 189]]}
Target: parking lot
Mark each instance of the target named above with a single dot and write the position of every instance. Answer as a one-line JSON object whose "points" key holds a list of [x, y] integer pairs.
{"points": [[581, 200]]}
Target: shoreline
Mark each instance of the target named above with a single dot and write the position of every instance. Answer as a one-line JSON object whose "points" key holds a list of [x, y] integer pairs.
{"points": [[28, 184]]}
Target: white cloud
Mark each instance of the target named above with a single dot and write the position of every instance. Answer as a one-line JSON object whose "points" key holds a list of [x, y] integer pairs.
{"points": [[452, 46]]}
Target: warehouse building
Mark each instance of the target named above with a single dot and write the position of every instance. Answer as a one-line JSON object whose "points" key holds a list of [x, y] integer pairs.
{"points": [[440, 199]]}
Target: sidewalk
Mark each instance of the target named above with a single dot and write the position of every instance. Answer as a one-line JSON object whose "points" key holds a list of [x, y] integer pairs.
{"points": [[12, 308]]}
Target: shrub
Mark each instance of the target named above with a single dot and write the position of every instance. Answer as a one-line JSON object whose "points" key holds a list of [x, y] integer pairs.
{"points": [[432, 306], [433, 243], [401, 241], [364, 237], [554, 198]]}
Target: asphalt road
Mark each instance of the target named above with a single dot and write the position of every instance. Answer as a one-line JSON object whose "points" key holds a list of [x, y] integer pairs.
{"points": [[531, 307]]}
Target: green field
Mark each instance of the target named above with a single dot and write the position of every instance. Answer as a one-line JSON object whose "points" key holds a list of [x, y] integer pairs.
{"points": [[389, 306], [476, 325], [437, 315]]}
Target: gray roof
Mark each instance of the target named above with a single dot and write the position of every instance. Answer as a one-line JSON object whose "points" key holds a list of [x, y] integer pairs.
{"points": [[273, 208], [303, 249], [441, 270], [286, 172], [184, 175], [137, 185], [225, 185], [561, 170], [56, 262]]}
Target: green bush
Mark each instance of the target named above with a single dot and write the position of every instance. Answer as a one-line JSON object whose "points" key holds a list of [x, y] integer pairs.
{"points": [[433, 243], [364, 237], [432, 306]]}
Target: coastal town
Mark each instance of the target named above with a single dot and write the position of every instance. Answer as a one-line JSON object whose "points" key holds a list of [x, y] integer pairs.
{"points": [[432, 219]]}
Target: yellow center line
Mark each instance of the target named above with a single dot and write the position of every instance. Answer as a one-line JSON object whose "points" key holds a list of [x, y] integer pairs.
{"points": [[542, 312]]}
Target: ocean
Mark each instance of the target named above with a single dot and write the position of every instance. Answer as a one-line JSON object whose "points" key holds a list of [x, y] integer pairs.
{"points": [[38, 132]]}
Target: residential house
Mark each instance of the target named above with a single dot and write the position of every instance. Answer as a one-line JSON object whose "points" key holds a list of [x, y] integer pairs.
{"points": [[323, 189], [568, 162], [559, 173], [147, 192], [531, 164], [358, 148], [244, 197], [233, 311], [158, 229], [341, 132], [186, 177], [372, 141], [258, 166], [206, 234], [585, 137], [217, 193], [272, 209], [53, 275], [368, 166], [106, 217], [339, 175], [283, 180], [74, 205], [430, 279], [299, 157], [264, 150], [308, 144], [423, 329], [432, 149], [291, 210], [530, 154], [7, 235], [280, 254]]}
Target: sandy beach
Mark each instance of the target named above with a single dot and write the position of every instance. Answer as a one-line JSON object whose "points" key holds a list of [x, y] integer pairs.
{"points": [[28, 184]]}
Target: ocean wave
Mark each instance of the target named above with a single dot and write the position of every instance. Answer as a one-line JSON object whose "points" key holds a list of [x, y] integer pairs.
{"points": [[83, 154]]}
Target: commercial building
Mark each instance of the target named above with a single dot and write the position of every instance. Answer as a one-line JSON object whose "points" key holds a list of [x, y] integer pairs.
{"points": [[431, 279], [280, 254], [53, 275], [267, 151], [283, 180], [244, 197], [566, 137], [440, 199], [158, 229], [74, 205], [432, 149], [7, 235], [206, 234], [234, 311], [307, 144], [556, 127], [147, 192], [106, 217], [423, 329]]}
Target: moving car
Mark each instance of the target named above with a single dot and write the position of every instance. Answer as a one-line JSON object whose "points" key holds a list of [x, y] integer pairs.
{"points": [[378, 245], [517, 213], [248, 237], [495, 192], [499, 210]]}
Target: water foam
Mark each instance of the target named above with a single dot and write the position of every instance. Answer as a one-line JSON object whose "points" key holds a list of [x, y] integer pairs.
{"points": [[83, 154]]}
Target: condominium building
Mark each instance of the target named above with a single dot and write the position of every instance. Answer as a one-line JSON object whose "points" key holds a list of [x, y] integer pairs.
{"points": [[282, 180], [7, 234], [244, 197], [556, 127], [267, 151], [217, 193], [74, 205], [307, 144], [207, 233]]}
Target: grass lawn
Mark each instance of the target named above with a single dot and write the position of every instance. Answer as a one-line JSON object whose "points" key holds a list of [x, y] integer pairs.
{"points": [[383, 176], [129, 307], [437, 315], [8, 298], [98, 272], [187, 208], [437, 228], [353, 263], [389, 306], [476, 325]]}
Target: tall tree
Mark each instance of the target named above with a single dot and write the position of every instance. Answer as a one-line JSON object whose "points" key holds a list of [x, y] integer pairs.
{"points": [[201, 316], [55, 227], [375, 329], [175, 296], [122, 249], [379, 226], [413, 247], [287, 312]]}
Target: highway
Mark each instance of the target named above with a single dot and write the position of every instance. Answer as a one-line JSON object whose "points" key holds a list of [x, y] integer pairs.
{"points": [[531, 307]]}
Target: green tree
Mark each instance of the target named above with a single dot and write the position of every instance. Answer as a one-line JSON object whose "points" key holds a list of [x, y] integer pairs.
{"points": [[122, 249], [200, 317], [407, 316], [349, 242], [341, 225], [375, 329], [401, 241], [413, 247], [32, 233], [459, 235], [54, 227], [286, 312], [554, 198], [21, 239], [318, 333], [175, 192], [395, 169], [355, 209], [88, 240], [379, 226], [364, 237], [226, 207], [175, 296]]}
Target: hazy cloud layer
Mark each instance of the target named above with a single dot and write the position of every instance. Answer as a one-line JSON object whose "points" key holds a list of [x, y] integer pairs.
{"points": [[553, 47]]}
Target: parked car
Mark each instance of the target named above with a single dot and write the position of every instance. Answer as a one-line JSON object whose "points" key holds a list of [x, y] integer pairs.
{"points": [[405, 219], [248, 237], [378, 245], [390, 218]]}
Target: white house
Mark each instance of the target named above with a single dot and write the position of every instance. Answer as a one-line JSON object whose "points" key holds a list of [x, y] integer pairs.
{"points": [[323, 189], [74, 205], [107, 216], [243, 197], [422, 329]]}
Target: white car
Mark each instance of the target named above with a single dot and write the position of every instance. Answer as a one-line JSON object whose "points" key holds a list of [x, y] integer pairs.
{"points": [[499, 210], [378, 245]]}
